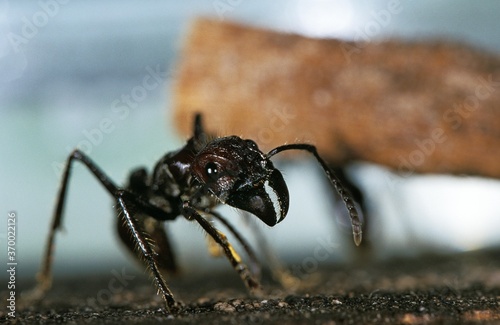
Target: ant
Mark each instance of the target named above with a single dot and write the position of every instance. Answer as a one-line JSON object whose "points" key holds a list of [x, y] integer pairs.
{"points": [[191, 182]]}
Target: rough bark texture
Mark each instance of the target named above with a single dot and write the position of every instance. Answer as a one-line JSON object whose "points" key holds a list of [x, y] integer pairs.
{"points": [[414, 107]]}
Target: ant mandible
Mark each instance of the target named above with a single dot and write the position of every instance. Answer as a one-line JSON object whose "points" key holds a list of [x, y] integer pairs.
{"points": [[191, 182]]}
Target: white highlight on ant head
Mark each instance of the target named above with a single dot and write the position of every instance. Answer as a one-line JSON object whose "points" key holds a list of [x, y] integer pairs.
{"points": [[273, 196]]}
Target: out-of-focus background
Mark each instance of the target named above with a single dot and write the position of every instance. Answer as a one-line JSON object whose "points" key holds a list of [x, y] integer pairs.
{"points": [[72, 74]]}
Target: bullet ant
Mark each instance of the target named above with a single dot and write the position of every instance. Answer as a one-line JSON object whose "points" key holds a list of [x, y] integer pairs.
{"points": [[191, 182]]}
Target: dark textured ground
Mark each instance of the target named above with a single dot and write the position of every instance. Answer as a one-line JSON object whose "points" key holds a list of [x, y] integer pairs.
{"points": [[432, 290]]}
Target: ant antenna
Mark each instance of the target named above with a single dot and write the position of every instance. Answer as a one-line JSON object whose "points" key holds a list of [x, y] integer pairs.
{"points": [[337, 184]]}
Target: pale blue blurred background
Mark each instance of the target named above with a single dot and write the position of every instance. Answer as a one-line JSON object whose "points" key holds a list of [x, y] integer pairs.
{"points": [[64, 66]]}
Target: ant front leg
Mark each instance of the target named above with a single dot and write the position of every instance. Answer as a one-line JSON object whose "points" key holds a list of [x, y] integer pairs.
{"points": [[252, 284], [278, 270], [255, 265]]}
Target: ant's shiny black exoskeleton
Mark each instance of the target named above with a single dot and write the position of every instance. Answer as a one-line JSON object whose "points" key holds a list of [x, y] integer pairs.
{"points": [[191, 182]]}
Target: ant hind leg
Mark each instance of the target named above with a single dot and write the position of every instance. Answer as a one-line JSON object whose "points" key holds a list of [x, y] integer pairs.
{"points": [[44, 276]]}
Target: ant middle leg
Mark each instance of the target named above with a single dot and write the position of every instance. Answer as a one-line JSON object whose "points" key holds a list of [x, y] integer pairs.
{"points": [[125, 202], [45, 273], [155, 229]]}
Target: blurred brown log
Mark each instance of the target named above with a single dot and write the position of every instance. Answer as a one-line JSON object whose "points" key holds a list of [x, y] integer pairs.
{"points": [[414, 107]]}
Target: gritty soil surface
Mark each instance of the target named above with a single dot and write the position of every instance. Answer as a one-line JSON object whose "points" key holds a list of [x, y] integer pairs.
{"points": [[454, 289]]}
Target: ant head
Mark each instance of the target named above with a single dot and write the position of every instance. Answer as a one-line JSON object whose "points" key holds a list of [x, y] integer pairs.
{"points": [[240, 175]]}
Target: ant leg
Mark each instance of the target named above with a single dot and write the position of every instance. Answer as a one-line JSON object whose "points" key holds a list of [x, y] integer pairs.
{"points": [[154, 229], [146, 251], [252, 284], [44, 277], [278, 270], [343, 192], [45, 273], [246, 246]]}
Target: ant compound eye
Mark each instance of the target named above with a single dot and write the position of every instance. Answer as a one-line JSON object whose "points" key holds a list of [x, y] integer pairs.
{"points": [[211, 169]]}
